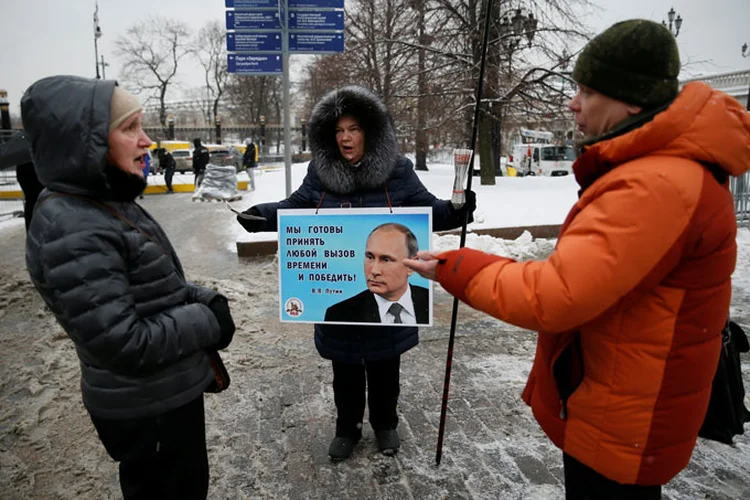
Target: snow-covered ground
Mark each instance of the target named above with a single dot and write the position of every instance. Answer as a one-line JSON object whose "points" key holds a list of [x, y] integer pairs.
{"points": [[268, 434]]}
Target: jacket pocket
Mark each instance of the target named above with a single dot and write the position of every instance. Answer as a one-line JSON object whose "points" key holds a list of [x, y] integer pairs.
{"points": [[567, 370]]}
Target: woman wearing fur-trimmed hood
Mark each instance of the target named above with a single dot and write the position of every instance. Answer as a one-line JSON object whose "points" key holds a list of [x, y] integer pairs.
{"points": [[356, 163], [381, 147]]}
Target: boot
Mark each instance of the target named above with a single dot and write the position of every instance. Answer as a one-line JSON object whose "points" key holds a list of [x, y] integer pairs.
{"points": [[388, 442], [341, 448]]}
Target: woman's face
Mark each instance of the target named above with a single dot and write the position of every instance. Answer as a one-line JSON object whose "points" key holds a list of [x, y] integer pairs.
{"points": [[350, 138], [128, 145]]}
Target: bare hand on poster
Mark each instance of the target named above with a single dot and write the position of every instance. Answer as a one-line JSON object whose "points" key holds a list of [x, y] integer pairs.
{"points": [[424, 263], [243, 215]]}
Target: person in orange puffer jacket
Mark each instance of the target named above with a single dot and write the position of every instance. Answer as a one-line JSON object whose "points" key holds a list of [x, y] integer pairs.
{"points": [[631, 304]]}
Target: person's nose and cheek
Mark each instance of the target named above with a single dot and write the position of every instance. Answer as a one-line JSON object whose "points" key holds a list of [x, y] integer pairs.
{"points": [[375, 269], [575, 103], [144, 140]]}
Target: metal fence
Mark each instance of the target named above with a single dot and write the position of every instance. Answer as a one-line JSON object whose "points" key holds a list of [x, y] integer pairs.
{"points": [[10, 205], [740, 187]]}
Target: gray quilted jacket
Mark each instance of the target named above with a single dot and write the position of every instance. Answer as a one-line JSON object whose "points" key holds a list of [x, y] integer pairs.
{"points": [[140, 329]]}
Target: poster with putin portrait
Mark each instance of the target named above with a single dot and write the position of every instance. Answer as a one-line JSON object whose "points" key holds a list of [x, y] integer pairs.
{"points": [[345, 266]]}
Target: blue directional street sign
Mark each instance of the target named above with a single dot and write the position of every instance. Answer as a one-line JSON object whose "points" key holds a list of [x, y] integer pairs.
{"points": [[315, 4], [316, 42], [253, 42], [252, 4], [254, 64], [311, 20], [253, 20], [293, 4]]}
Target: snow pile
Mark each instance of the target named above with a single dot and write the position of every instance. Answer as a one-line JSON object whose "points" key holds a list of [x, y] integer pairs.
{"points": [[219, 183]]}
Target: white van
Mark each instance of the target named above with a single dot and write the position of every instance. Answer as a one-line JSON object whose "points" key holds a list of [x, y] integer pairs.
{"points": [[542, 159]]}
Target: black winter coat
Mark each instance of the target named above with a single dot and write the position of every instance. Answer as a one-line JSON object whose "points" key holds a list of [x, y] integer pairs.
{"points": [[140, 330], [382, 178]]}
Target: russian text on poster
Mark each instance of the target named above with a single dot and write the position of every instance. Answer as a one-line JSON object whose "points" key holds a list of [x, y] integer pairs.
{"points": [[330, 259]]}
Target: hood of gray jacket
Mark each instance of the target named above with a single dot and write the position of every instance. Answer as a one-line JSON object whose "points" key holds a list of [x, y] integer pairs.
{"points": [[66, 119], [381, 146]]}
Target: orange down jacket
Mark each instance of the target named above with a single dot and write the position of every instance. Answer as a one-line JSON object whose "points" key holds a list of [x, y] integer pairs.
{"points": [[630, 305]]}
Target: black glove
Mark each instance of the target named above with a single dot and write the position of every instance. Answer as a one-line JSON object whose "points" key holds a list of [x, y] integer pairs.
{"points": [[220, 307], [251, 225], [469, 206]]}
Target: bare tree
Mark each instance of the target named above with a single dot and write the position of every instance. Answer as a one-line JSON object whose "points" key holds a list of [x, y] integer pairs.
{"points": [[513, 49], [252, 96], [209, 48], [152, 50], [423, 58]]}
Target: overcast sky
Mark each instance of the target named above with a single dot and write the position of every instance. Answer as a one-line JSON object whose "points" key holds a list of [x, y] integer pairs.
{"points": [[39, 38]]}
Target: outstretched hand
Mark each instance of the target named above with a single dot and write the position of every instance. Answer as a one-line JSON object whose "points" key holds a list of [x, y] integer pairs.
{"points": [[425, 264]]}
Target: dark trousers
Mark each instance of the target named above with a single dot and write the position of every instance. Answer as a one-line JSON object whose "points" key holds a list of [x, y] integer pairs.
{"points": [[380, 380], [168, 174], [584, 483], [199, 179], [160, 457]]}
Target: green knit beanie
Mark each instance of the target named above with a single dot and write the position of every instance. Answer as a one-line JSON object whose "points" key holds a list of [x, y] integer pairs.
{"points": [[634, 61]]}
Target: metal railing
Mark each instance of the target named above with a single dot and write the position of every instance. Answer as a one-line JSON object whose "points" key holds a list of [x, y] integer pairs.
{"points": [[740, 187], [734, 83], [9, 207]]}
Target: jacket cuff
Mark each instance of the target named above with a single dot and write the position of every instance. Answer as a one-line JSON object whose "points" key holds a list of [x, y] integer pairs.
{"points": [[201, 294], [457, 268]]}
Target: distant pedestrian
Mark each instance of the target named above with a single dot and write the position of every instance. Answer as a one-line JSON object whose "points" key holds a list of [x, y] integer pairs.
{"points": [[201, 158], [146, 169], [250, 162], [168, 165]]}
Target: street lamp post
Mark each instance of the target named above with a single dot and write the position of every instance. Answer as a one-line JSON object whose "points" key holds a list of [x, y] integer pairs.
{"points": [[104, 65], [170, 127], [513, 29], [564, 62], [4, 110], [677, 22], [97, 35], [262, 134], [745, 54]]}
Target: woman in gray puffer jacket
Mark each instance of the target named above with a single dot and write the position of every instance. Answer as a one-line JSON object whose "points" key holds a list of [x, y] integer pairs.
{"points": [[109, 274]]}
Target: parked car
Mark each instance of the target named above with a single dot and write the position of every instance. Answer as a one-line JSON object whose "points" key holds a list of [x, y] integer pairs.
{"points": [[183, 159], [226, 156]]}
